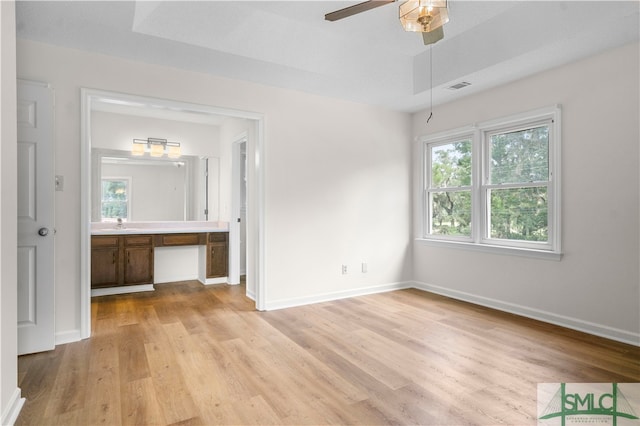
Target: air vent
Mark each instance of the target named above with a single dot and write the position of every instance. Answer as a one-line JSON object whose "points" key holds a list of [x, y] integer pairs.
{"points": [[459, 85]]}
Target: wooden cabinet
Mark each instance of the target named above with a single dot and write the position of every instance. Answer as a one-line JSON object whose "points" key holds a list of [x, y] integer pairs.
{"points": [[105, 261], [217, 254], [121, 260], [170, 240], [138, 259]]}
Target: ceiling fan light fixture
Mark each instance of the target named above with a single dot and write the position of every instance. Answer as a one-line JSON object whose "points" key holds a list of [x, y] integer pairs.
{"points": [[433, 36], [423, 15]]}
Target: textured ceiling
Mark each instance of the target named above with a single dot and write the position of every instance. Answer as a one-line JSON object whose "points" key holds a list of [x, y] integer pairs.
{"points": [[365, 58]]}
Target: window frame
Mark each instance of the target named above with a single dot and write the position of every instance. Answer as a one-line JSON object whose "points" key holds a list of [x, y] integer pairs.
{"points": [[480, 203], [458, 136], [129, 192]]}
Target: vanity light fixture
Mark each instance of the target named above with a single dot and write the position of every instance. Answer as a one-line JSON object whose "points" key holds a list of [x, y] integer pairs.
{"points": [[156, 147]]}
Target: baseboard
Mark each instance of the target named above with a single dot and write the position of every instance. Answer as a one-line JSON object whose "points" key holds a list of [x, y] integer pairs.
{"points": [[545, 316], [327, 297], [175, 278], [251, 295], [210, 281], [12, 410], [68, 337], [108, 291]]}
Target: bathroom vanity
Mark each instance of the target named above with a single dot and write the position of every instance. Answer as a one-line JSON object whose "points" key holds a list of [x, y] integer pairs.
{"points": [[122, 258]]}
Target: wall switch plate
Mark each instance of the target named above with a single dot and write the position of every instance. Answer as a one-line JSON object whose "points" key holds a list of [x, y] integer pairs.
{"points": [[364, 267]]}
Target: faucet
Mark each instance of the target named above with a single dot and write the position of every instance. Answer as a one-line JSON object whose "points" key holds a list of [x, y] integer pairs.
{"points": [[119, 225]]}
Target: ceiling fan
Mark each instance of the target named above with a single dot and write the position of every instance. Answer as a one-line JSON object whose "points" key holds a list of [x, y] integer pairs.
{"points": [[425, 16]]}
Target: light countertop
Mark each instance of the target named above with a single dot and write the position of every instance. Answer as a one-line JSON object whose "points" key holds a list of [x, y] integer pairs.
{"points": [[110, 228]]}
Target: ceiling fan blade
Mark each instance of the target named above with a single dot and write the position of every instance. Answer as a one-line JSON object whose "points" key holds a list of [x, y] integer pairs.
{"points": [[433, 36], [355, 9]]}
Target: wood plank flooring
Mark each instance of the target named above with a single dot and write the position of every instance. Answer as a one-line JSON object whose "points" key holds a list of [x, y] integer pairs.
{"points": [[193, 355]]}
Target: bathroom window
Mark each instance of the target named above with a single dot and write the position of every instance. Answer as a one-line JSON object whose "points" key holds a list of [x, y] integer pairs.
{"points": [[116, 199], [495, 186]]}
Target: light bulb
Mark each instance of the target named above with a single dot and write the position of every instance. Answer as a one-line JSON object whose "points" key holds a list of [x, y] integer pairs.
{"points": [[137, 149], [157, 150], [173, 152]]}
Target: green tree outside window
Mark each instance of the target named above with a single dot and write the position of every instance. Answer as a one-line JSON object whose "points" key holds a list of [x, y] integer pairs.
{"points": [[519, 159], [451, 172], [115, 199]]}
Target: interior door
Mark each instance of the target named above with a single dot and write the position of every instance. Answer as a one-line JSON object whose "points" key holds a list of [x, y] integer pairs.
{"points": [[36, 186]]}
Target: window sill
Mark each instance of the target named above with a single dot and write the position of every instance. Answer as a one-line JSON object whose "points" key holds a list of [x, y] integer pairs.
{"points": [[487, 248]]}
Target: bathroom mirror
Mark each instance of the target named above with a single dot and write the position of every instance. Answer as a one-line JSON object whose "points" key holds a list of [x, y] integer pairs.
{"points": [[144, 189]]}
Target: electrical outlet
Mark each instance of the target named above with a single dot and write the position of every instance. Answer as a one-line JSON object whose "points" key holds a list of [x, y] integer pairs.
{"points": [[364, 267], [344, 269]]}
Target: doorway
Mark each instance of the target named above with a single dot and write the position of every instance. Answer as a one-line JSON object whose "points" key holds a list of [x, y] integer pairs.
{"points": [[238, 223], [254, 148]]}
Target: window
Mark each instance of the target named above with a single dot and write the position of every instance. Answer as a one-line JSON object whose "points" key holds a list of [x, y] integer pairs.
{"points": [[495, 185], [449, 192], [116, 199]]}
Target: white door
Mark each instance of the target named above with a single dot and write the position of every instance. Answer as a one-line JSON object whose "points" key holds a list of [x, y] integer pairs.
{"points": [[36, 186]]}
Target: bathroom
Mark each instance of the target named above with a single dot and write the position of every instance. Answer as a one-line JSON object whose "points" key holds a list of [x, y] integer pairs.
{"points": [[188, 192]]}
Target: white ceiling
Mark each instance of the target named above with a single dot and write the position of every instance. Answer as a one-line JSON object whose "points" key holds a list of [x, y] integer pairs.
{"points": [[366, 58]]}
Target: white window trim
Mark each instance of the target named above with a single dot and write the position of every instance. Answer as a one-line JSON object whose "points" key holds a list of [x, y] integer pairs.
{"points": [[549, 250], [425, 186], [129, 196]]}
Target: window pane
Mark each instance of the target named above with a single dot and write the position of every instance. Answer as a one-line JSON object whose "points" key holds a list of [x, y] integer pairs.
{"points": [[114, 190], [114, 209], [521, 156], [451, 213], [451, 165], [115, 199], [519, 214]]}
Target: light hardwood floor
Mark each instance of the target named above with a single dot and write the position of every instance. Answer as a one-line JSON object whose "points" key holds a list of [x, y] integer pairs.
{"points": [[193, 355]]}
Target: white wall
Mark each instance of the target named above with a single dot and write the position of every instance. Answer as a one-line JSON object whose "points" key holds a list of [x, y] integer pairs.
{"points": [[176, 264], [596, 284], [10, 401], [337, 185]]}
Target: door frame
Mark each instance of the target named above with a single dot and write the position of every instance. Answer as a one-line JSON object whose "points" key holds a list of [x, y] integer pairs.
{"points": [[234, 241], [255, 197]]}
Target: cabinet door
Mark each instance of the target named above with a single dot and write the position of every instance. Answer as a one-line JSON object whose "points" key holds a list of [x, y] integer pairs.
{"points": [[138, 265], [217, 260], [105, 267]]}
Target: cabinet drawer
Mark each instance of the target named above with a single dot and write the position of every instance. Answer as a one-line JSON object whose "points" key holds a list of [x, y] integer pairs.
{"points": [[218, 237], [104, 241], [138, 240], [179, 240]]}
